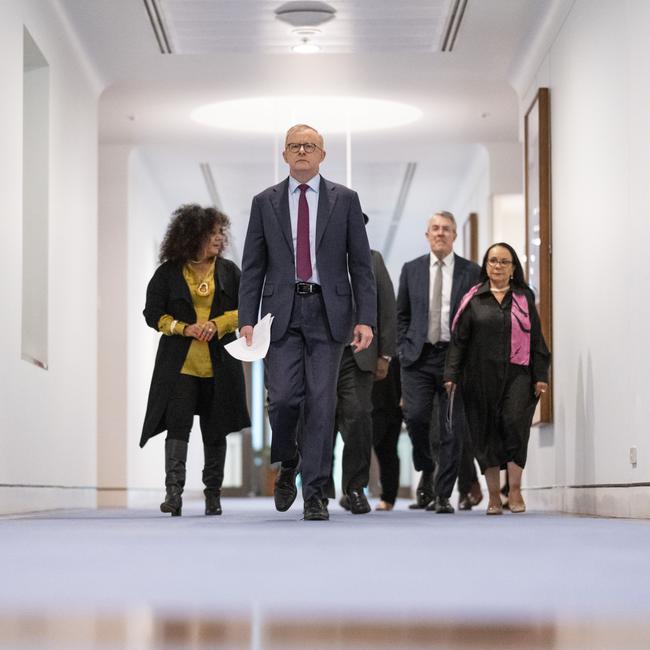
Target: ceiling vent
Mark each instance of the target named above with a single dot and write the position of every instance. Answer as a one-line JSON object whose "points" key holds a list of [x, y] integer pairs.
{"points": [[155, 14], [453, 25]]}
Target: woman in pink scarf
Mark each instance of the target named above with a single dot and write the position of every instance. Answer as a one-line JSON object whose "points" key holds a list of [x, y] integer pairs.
{"points": [[498, 356]]}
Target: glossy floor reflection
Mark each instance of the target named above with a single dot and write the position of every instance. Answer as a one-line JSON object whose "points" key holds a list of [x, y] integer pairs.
{"points": [[258, 579], [145, 631]]}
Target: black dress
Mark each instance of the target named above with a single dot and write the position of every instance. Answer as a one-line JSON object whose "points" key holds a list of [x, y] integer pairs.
{"points": [[499, 396]]}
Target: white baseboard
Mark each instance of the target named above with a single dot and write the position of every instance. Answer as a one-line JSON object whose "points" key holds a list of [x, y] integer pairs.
{"points": [[631, 501], [22, 499]]}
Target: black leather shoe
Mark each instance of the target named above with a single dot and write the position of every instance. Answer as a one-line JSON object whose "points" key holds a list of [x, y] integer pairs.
{"points": [[443, 507], [424, 493], [358, 503], [212, 502], [285, 491], [464, 502], [344, 502], [315, 510]]}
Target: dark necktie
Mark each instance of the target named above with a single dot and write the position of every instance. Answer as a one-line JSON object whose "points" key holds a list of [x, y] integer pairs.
{"points": [[303, 254]]}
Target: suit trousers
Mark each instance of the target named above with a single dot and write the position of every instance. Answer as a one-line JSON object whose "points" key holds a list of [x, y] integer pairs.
{"points": [[354, 421], [386, 427], [436, 446], [301, 372]]}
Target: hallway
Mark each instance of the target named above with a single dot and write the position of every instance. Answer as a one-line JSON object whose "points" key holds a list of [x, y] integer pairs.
{"points": [[138, 579]]}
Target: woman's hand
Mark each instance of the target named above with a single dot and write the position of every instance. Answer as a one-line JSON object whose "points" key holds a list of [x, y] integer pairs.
{"points": [[201, 331], [540, 387], [450, 387]]}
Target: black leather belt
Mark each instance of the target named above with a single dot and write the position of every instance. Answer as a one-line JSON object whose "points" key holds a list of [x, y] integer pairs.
{"points": [[307, 288], [440, 345]]}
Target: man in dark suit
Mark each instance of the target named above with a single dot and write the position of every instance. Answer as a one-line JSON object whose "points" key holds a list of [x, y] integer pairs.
{"points": [[356, 377], [306, 242], [430, 291]]}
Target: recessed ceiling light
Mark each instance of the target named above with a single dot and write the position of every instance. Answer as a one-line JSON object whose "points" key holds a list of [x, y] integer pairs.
{"points": [[327, 114], [306, 47]]}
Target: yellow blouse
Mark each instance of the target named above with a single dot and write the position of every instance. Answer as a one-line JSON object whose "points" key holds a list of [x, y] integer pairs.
{"points": [[198, 362]]}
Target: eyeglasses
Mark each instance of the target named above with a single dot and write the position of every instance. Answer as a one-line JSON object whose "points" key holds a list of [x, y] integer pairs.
{"points": [[494, 261], [309, 147]]}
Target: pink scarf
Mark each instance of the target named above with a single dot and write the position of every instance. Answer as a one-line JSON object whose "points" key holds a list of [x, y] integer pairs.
{"points": [[520, 323]]}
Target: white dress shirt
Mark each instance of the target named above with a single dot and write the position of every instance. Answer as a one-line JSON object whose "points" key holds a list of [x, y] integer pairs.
{"points": [[447, 279], [312, 202]]}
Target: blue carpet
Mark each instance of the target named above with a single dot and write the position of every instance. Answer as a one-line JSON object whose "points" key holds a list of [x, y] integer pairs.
{"points": [[404, 563]]}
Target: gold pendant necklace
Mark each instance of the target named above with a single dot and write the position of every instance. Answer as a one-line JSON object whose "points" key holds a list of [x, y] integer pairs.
{"points": [[204, 288]]}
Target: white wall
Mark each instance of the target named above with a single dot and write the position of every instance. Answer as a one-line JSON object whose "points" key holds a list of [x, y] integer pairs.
{"points": [[148, 216], [112, 358], [48, 418], [474, 196], [599, 80]]}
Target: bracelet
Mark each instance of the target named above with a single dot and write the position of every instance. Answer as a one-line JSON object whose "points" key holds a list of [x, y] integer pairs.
{"points": [[172, 326]]}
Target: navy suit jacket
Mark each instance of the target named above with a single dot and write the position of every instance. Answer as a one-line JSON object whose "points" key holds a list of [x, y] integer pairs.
{"points": [[342, 252], [413, 302]]}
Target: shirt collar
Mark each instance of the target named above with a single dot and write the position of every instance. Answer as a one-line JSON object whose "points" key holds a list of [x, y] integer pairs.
{"points": [[448, 261], [314, 184]]}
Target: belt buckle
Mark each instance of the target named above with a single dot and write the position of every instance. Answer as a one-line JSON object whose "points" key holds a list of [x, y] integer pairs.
{"points": [[303, 288]]}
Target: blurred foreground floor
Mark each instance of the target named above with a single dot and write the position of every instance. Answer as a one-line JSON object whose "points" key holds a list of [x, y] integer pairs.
{"points": [[254, 578]]}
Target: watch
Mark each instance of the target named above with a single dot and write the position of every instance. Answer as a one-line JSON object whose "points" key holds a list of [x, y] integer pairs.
{"points": [[387, 357]]}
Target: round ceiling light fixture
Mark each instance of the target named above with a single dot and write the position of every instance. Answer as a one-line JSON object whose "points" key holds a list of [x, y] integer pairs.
{"points": [[306, 47], [327, 114], [305, 16], [305, 13]]}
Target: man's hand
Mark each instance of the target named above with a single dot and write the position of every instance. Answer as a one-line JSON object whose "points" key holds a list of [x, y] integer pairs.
{"points": [[450, 387], [381, 369], [361, 338], [247, 333]]}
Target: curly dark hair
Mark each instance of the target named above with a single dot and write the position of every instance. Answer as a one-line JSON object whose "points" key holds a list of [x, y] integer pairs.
{"points": [[188, 230], [518, 279]]}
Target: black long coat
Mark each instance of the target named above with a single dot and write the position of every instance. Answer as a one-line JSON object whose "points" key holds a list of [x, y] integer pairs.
{"points": [[168, 293], [498, 395]]}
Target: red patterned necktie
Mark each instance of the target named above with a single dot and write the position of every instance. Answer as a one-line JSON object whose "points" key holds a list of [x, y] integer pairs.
{"points": [[303, 254]]}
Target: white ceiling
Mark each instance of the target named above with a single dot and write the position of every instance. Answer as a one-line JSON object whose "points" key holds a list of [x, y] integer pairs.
{"points": [[373, 48], [360, 26]]}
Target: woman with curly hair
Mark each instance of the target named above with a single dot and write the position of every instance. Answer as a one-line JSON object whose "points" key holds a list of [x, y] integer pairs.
{"points": [[192, 300], [498, 354]]}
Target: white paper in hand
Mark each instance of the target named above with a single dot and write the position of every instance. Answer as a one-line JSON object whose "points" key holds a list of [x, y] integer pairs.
{"points": [[259, 347]]}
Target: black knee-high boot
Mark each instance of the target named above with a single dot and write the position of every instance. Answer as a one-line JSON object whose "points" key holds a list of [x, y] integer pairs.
{"points": [[175, 459], [215, 457]]}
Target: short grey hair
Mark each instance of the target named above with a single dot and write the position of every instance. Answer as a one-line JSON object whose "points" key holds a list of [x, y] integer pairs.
{"points": [[445, 214], [303, 127]]}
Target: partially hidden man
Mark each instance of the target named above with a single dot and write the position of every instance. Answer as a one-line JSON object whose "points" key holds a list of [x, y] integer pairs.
{"points": [[307, 259]]}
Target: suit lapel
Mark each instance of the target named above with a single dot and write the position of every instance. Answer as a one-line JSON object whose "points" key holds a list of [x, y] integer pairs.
{"points": [[326, 201], [178, 286], [280, 203], [458, 288], [220, 288], [423, 281]]}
